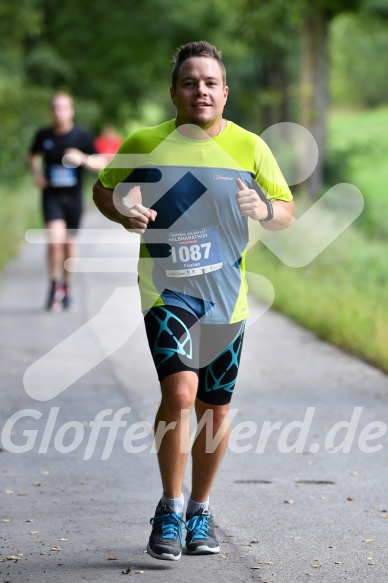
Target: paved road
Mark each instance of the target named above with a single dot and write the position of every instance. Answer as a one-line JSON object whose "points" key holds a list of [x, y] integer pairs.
{"points": [[67, 514]]}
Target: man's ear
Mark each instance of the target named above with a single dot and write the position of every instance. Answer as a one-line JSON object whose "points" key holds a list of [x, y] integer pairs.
{"points": [[226, 92], [172, 93]]}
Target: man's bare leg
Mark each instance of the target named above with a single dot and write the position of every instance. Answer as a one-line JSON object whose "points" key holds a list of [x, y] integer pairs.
{"points": [[56, 231], [172, 435], [206, 462], [69, 253], [178, 397]]}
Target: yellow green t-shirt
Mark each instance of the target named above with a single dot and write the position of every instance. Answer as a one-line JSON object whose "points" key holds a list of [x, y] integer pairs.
{"points": [[193, 255]]}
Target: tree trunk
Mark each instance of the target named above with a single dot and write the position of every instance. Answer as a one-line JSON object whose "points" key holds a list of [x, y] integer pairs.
{"points": [[314, 93], [275, 82]]}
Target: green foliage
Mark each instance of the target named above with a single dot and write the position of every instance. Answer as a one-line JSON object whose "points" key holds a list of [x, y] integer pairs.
{"points": [[362, 136], [359, 46]]}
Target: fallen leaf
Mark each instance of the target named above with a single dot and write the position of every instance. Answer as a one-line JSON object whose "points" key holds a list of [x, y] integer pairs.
{"points": [[265, 563], [385, 516], [63, 539], [315, 566], [34, 531], [368, 540], [338, 563], [43, 553], [55, 548], [138, 572], [9, 491], [350, 498], [7, 520], [46, 472], [12, 558], [288, 502], [22, 494], [36, 484], [127, 571], [112, 559], [255, 567]]}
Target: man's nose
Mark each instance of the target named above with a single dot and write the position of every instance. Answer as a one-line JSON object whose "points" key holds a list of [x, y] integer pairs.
{"points": [[201, 89]]}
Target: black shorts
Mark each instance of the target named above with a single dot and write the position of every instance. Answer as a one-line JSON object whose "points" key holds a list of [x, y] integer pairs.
{"points": [[179, 342], [66, 207]]}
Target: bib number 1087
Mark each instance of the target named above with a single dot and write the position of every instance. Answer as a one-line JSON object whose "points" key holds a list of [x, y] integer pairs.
{"points": [[191, 252]]}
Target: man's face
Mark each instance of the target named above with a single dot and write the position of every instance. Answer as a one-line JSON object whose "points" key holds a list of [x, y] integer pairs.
{"points": [[200, 94], [62, 109]]}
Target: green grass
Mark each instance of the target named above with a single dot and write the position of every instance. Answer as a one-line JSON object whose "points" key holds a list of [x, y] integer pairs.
{"points": [[20, 210], [343, 294]]}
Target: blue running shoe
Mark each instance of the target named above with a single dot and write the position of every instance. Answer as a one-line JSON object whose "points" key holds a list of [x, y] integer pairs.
{"points": [[201, 538], [166, 537]]}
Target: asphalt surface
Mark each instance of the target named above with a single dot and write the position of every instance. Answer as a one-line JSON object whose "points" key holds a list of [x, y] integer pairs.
{"points": [[68, 514]]}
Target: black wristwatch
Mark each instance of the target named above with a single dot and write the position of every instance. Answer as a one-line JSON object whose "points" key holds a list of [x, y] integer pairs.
{"points": [[270, 212]]}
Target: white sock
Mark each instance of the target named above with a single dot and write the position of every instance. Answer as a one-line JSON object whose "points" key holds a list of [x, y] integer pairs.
{"points": [[193, 506], [176, 504]]}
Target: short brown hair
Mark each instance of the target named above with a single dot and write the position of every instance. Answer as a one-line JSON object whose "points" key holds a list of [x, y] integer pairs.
{"points": [[196, 49], [61, 94]]}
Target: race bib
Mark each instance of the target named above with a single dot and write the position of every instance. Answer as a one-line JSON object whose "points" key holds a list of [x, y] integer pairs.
{"points": [[61, 177], [194, 252]]}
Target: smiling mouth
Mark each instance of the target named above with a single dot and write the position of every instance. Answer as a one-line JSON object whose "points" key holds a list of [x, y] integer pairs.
{"points": [[201, 105]]}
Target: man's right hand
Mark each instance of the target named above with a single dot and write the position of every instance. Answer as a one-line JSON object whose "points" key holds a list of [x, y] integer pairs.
{"points": [[137, 216], [128, 210], [40, 181]]}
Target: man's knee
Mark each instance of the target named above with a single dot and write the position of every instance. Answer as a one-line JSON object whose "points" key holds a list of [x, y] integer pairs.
{"points": [[218, 413], [179, 391]]}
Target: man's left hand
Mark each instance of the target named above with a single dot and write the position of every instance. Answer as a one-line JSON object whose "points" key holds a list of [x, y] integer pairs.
{"points": [[249, 203]]}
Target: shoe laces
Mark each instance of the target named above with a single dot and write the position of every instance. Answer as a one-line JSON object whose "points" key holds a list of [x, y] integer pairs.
{"points": [[170, 524], [199, 524]]}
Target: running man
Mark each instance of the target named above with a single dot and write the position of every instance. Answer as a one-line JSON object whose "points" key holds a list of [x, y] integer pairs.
{"points": [[189, 194], [61, 190]]}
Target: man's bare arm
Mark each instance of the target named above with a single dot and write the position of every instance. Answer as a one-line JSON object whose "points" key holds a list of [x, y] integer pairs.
{"points": [[283, 215], [35, 165]]}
